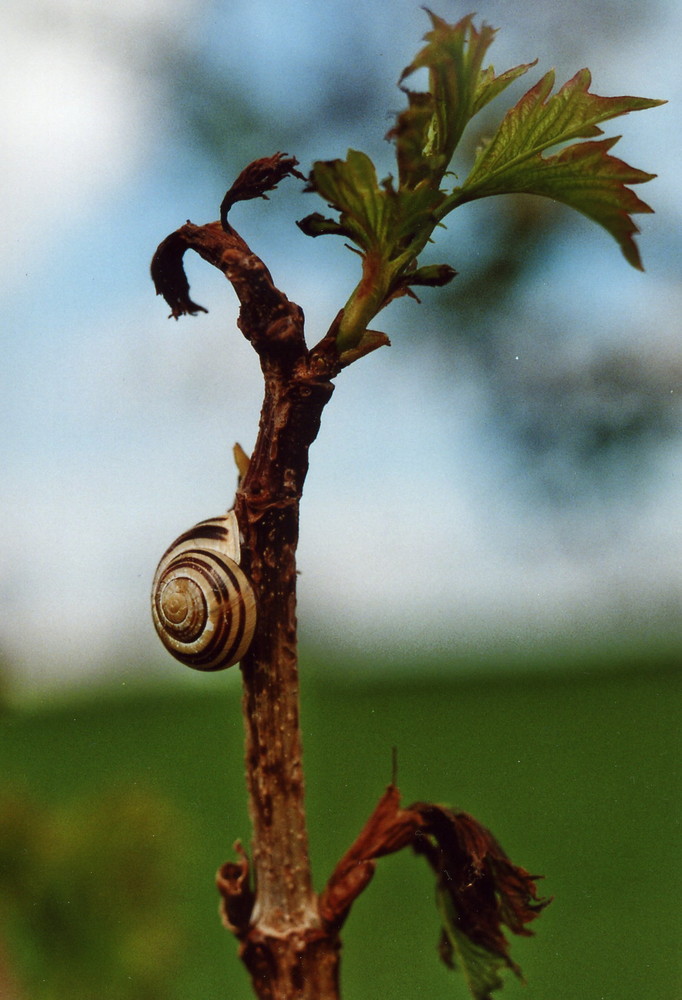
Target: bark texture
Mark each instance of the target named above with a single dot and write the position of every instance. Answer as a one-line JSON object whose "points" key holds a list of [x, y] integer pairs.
{"points": [[289, 937], [269, 902]]}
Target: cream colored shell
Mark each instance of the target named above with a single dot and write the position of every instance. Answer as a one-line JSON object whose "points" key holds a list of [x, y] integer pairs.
{"points": [[203, 605]]}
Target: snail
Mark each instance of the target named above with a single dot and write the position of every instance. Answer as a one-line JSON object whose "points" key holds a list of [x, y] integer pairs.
{"points": [[203, 605]]}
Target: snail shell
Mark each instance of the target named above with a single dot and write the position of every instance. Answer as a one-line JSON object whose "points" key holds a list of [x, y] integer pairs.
{"points": [[203, 605]]}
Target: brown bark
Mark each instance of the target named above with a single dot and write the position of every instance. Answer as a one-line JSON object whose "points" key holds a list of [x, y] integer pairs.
{"points": [[284, 944], [287, 950], [289, 937]]}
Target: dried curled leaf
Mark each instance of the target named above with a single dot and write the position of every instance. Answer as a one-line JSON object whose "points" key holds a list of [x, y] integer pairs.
{"points": [[237, 896], [260, 176], [168, 275], [478, 889]]}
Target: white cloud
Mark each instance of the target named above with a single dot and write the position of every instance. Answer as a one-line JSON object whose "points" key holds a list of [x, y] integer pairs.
{"points": [[76, 115]]}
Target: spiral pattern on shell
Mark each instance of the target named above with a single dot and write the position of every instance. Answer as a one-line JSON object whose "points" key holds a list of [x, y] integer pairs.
{"points": [[203, 605]]}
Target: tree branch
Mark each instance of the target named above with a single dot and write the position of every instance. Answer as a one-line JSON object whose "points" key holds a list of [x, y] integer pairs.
{"points": [[271, 906], [288, 936]]}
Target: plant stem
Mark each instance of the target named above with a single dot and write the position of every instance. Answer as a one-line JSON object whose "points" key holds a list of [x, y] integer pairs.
{"points": [[267, 509], [291, 952], [287, 951]]}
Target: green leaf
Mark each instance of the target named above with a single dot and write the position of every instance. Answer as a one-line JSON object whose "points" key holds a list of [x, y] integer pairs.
{"points": [[375, 216], [434, 275], [480, 967], [392, 225], [430, 276], [315, 224], [428, 131], [390, 222], [351, 187], [583, 176], [371, 340]]}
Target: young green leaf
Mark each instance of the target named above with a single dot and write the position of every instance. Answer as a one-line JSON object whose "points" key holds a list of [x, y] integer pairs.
{"points": [[388, 226], [390, 223], [428, 131], [583, 176], [376, 217], [481, 968]]}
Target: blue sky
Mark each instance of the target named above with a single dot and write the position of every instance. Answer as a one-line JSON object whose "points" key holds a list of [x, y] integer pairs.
{"points": [[414, 535]]}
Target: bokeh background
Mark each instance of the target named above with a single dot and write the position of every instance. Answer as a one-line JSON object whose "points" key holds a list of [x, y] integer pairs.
{"points": [[491, 530]]}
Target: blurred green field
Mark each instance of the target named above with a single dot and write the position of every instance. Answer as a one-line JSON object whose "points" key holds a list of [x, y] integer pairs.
{"points": [[576, 772]]}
